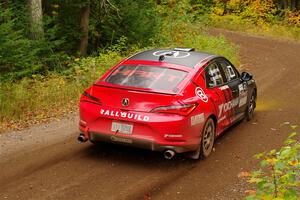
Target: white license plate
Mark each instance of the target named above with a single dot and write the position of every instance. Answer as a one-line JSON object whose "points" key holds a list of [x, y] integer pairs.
{"points": [[121, 128]]}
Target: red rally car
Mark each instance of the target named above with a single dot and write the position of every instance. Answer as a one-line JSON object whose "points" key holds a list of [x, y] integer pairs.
{"points": [[173, 101]]}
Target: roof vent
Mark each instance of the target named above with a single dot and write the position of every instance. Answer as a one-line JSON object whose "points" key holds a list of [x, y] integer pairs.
{"points": [[184, 49]]}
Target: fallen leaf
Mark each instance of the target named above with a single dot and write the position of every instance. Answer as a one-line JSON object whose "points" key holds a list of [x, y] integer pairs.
{"points": [[250, 192], [243, 174]]}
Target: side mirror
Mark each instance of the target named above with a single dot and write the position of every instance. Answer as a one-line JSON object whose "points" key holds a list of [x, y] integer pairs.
{"points": [[245, 76]]}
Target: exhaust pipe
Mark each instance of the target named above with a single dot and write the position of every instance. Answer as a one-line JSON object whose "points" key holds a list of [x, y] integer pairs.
{"points": [[81, 138], [169, 154]]}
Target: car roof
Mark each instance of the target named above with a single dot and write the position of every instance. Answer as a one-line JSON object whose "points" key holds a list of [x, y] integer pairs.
{"points": [[180, 56]]}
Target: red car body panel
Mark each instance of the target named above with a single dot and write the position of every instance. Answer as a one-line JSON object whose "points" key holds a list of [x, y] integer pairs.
{"points": [[101, 107]]}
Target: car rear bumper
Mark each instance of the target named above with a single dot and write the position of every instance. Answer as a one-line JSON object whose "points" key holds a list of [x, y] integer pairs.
{"points": [[141, 143], [160, 132]]}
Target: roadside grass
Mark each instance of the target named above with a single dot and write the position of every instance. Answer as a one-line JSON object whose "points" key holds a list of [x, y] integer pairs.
{"points": [[44, 98], [237, 23]]}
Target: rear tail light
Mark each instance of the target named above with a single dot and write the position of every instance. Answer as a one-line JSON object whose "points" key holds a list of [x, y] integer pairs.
{"points": [[88, 97], [178, 109]]}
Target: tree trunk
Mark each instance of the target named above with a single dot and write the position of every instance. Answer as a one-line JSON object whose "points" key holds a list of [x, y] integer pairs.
{"points": [[84, 25], [36, 19]]}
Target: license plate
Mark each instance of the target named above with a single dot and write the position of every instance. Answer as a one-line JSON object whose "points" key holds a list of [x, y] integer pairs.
{"points": [[121, 128]]}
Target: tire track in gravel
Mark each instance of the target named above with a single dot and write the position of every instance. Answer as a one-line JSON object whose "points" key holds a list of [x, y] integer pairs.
{"points": [[56, 167]]}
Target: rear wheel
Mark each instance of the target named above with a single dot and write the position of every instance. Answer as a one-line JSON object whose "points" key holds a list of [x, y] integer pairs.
{"points": [[207, 141], [251, 107], [208, 138]]}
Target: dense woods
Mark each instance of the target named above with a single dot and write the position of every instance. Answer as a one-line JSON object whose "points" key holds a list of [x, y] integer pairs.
{"points": [[39, 36]]}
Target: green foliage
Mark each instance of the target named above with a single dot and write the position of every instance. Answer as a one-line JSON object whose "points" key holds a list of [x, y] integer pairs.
{"points": [[137, 20], [32, 96], [279, 176], [21, 56]]}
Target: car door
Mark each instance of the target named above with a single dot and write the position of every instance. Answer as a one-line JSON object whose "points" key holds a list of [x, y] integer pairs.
{"points": [[219, 93], [237, 88]]}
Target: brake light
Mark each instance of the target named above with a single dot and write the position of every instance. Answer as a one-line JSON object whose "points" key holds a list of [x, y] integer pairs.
{"points": [[88, 97], [178, 109]]}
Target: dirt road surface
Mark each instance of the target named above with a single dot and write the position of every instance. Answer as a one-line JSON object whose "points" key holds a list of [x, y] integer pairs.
{"points": [[46, 162]]}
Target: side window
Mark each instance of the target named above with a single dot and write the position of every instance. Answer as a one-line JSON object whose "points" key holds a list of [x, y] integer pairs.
{"points": [[229, 70], [213, 75]]}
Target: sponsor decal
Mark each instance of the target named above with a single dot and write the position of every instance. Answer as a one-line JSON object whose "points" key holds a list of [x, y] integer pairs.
{"points": [[224, 87], [243, 94], [199, 92], [124, 115], [173, 136], [172, 54], [197, 119], [231, 72], [221, 119], [119, 139], [224, 107]]}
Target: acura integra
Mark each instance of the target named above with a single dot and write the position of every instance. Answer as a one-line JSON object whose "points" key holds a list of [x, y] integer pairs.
{"points": [[168, 100]]}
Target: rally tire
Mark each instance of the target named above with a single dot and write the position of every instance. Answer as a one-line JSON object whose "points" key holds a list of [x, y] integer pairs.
{"points": [[208, 138], [250, 107], [202, 151]]}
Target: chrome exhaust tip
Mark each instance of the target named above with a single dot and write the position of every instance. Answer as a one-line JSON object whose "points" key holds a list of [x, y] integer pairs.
{"points": [[81, 138], [169, 154]]}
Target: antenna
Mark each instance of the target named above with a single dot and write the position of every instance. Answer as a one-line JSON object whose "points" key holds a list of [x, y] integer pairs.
{"points": [[161, 57]]}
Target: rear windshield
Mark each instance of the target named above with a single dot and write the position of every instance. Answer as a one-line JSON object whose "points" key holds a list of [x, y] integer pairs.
{"points": [[155, 78]]}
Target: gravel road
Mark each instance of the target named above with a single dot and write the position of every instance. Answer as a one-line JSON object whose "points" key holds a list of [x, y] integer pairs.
{"points": [[45, 162]]}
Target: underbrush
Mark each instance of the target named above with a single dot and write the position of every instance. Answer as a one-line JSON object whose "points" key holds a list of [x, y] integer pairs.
{"points": [[237, 23], [279, 174], [42, 98]]}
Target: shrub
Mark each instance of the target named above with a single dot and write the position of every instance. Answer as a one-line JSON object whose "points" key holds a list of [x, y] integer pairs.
{"points": [[20, 56], [279, 176]]}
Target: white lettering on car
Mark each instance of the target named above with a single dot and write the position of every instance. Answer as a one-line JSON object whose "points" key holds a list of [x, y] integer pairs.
{"points": [[197, 119], [224, 87], [243, 94], [112, 113], [199, 92], [101, 111], [125, 115], [224, 107]]}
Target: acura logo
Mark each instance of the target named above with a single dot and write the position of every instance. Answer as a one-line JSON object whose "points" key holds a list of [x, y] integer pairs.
{"points": [[125, 102]]}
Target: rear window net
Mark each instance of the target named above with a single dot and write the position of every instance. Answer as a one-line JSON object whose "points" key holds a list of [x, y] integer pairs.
{"points": [[151, 77]]}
